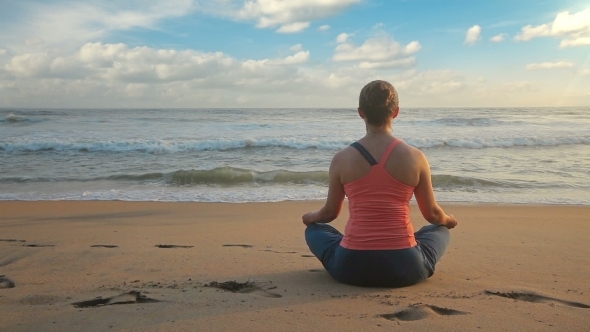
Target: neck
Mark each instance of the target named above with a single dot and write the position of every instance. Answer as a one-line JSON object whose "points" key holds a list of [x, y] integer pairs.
{"points": [[375, 131]]}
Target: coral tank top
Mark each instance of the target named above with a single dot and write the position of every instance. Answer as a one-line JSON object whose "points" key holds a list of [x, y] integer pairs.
{"points": [[379, 210]]}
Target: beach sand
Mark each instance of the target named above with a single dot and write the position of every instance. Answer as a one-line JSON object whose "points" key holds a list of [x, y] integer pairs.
{"points": [[96, 266]]}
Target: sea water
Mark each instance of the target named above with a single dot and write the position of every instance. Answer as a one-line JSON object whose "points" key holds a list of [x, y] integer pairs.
{"points": [[477, 155]]}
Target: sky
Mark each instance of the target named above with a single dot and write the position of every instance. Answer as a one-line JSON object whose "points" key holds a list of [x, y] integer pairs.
{"points": [[290, 54]]}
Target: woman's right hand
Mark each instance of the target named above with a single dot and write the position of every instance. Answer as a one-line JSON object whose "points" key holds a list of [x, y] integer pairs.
{"points": [[450, 222]]}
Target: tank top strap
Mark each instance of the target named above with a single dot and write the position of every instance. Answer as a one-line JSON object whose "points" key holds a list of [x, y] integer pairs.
{"points": [[388, 151]]}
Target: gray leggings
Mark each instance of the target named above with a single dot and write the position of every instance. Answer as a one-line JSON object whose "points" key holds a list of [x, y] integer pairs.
{"points": [[378, 268]]}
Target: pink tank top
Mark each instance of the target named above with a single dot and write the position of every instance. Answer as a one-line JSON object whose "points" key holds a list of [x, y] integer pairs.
{"points": [[379, 210]]}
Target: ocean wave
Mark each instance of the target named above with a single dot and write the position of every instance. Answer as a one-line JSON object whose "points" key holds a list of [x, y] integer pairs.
{"points": [[224, 176], [499, 142], [460, 122], [233, 176], [160, 146], [165, 147], [446, 181], [13, 119]]}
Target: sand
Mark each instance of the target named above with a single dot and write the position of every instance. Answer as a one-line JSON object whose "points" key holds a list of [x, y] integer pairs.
{"points": [[122, 266]]}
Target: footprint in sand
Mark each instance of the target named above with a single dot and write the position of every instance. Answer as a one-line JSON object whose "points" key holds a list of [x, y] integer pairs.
{"points": [[13, 258], [12, 240], [34, 245], [238, 245], [169, 246], [421, 311], [247, 287], [308, 256], [132, 297], [6, 283], [536, 298], [280, 252], [104, 246], [316, 270]]}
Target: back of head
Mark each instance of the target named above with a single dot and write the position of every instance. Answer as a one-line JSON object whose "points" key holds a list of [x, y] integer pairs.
{"points": [[378, 100]]}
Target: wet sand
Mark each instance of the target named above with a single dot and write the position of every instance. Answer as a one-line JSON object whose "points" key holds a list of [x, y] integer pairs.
{"points": [[123, 266]]}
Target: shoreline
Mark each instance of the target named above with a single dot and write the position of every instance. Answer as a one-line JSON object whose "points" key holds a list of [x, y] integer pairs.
{"points": [[412, 203], [508, 267]]}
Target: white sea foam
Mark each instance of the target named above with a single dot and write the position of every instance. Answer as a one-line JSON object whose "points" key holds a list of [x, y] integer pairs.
{"points": [[276, 194], [163, 146]]}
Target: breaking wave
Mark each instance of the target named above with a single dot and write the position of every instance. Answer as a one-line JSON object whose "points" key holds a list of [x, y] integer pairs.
{"points": [[163, 147]]}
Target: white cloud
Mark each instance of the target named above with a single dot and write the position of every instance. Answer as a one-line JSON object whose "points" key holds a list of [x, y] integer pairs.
{"points": [[440, 83], [136, 89], [7, 86], [293, 27], [342, 38], [70, 24], [585, 72], [580, 41], [324, 28], [29, 65], [473, 35], [297, 58], [296, 48], [573, 29], [377, 52], [498, 38], [405, 62], [3, 52], [34, 42], [284, 13], [119, 63], [550, 65], [518, 86]]}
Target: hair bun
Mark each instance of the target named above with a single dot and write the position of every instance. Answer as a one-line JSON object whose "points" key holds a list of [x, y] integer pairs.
{"points": [[379, 96]]}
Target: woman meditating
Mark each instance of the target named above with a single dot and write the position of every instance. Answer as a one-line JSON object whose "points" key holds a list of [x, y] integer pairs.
{"points": [[379, 174]]}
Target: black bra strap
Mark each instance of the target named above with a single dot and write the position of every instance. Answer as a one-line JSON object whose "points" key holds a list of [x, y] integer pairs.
{"points": [[364, 152]]}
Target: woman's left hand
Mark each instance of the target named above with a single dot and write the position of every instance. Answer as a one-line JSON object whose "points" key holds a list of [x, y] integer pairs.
{"points": [[308, 218]]}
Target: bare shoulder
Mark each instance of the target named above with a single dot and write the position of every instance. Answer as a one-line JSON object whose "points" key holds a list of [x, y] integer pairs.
{"points": [[410, 153], [343, 156]]}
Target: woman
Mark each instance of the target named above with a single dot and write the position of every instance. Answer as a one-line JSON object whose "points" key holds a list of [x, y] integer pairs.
{"points": [[379, 174]]}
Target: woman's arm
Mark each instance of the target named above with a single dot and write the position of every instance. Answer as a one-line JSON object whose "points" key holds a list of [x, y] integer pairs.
{"points": [[424, 194], [333, 206]]}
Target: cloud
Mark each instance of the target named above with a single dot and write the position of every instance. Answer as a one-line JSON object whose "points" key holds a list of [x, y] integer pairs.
{"points": [[580, 41], [119, 63], [377, 52], [296, 48], [550, 65], [573, 29], [70, 24], [3, 52], [34, 42], [293, 27], [406, 62], [519, 86], [324, 28], [297, 58], [29, 65], [290, 16], [498, 38], [342, 38], [473, 35], [585, 72]]}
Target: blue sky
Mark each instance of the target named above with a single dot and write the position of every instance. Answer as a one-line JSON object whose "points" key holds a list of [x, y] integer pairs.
{"points": [[306, 53]]}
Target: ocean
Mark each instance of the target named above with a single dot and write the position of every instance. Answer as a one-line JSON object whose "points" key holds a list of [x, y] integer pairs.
{"points": [[477, 155]]}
